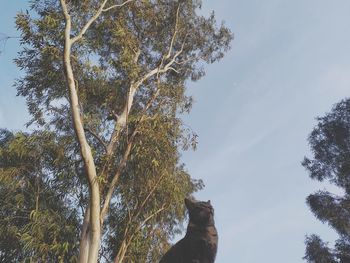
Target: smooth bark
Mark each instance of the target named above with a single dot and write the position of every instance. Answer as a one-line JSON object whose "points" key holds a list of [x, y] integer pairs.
{"points": [[84, 245], [85, 150]]}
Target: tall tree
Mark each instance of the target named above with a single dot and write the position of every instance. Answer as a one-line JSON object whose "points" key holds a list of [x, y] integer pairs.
{"points": [[107, 80], [330, 145], [37, 222]]}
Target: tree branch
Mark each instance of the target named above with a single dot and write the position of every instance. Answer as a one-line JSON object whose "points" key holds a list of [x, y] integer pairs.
{"points": [[93, 18], [74, 101], [88, 24], [149, 195], [150, 217], [121, 122], [114, 6], [97, 137], [125, 157], [115, 179], [171, 68], [145, 221], [126, 241], [65, 10], [175, 33]]}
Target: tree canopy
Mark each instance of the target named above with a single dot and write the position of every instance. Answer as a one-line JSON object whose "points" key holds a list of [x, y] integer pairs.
{"points": [[105, 84], [330, 145]]}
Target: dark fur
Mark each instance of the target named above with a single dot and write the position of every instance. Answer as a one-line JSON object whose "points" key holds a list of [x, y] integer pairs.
{"points": [[201, 240]]}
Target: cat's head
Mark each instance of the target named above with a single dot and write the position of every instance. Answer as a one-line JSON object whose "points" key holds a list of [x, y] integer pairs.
{"points": [[200, 213]]}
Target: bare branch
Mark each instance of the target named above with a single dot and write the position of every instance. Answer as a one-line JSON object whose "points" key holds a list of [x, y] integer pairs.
{"points": [[175, 33], [97, 137], [114, 6], [116, 177], [127, 241], [150, 217], [4, 37], [178, 53], [65, 10], [137, 55], [93, 18], [162, 69], [149, 195], [125, 158], [121, 122], [88, 24], [3, 41], [171, 68]]}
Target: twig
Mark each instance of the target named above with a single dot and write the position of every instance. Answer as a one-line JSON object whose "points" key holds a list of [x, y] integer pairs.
{"points": [[114, 6], [93, 19], [96, 137]]}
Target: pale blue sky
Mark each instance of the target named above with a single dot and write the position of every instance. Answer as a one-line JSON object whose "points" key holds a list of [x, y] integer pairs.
{"points": [[290, 62]]}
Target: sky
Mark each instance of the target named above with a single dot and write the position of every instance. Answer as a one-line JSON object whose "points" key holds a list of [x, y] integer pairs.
{"points": [[253, 111]]}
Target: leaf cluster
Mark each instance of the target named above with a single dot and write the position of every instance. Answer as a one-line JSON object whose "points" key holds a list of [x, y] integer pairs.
{"points": [[330, 146], [37, 222]]}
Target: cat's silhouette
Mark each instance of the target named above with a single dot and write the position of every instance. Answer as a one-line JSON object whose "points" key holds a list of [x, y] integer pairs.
{"points": [[201, 240]]}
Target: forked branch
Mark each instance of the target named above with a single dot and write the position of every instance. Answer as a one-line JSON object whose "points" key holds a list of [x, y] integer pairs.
{"points": [[94, 17]]}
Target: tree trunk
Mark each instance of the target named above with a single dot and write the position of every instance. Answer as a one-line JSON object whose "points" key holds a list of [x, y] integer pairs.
{"points": [[94, 226], [85, 238]]}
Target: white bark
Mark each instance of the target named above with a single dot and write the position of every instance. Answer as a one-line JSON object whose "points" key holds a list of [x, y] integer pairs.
{"points": [[85, 150], [84, 245]]}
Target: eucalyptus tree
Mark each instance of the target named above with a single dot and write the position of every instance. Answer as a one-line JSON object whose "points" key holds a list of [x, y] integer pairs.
{"points": [[37, 221], [330, 145], [110, 78]]}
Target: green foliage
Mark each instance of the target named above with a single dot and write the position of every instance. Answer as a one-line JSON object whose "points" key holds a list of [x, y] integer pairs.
{"points": [[150, 210], [330, 146], [318, 251], [122, 46], [36, 222]]}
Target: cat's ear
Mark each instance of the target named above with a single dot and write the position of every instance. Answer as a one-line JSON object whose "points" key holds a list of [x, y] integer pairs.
{"points": [[208, 202]]}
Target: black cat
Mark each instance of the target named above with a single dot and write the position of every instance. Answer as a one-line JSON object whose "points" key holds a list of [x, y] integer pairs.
{"points": [[201, 240]]}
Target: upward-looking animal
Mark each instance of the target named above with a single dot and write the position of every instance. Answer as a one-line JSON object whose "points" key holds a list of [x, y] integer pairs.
{"points": [[201, 240]]}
